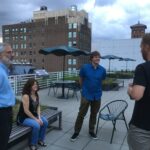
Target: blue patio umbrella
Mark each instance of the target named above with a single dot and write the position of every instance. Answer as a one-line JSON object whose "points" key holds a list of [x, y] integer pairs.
{"points": [[110, 57], [63, 51], [126, 60]]}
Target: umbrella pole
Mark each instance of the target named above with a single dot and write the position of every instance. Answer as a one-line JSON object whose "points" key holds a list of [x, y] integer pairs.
{"points": [[126, 65], [63, 88], [109, 66]]}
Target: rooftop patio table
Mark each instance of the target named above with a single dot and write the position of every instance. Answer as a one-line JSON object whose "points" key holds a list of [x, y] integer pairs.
{"points": [[63, 84]]}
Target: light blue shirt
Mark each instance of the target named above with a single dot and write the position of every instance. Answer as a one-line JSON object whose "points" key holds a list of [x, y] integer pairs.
{"points": [[7, 96], [92, 81]]}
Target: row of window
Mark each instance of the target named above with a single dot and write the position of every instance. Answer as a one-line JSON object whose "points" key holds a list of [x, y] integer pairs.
{"points": [[72, 34], [72, 43], [72, 61], [72, 26], [24, 30], [72, 69]]}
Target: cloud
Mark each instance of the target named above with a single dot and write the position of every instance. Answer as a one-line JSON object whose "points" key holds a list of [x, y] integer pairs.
{"points": [[110, 18]]}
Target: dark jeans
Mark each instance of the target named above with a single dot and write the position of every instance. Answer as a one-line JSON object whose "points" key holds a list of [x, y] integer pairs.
{"points": [[5, 126], [95, 105]]}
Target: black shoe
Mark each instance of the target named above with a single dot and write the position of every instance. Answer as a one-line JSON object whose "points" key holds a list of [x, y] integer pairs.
{"points": [[41, 143], [33, 147], [93, 135], [74, 137]]}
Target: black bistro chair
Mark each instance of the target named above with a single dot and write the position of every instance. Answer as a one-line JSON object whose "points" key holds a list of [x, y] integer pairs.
{"points": [[113, 111], [74, 87]]}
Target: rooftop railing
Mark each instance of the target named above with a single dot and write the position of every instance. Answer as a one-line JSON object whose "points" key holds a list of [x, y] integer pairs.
{"points": [[18, 81]]}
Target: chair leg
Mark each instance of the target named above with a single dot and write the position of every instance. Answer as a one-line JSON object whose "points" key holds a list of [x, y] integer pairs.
{"points": [[54, 91], [75, 94], [97, 125], [68, 93], [114, 124], [49, 90], [125, 121]]}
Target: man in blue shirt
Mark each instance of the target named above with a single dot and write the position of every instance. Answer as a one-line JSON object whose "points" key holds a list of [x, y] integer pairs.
{"points": [[7, 97], [91, 76]]}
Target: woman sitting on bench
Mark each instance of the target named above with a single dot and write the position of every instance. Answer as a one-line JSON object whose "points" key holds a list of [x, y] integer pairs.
{"points": [[29, 114]]}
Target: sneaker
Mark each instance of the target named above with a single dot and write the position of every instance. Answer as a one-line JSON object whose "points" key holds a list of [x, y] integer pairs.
{"points": [[93, 135], [74, 137]]}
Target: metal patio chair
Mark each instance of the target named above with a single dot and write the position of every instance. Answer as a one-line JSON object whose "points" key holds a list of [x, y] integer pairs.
{"points": [[52, 86], [74, 87], [113, 111]]}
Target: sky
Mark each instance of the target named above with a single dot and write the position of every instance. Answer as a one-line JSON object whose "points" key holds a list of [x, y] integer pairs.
{"points": [[111, 19]]}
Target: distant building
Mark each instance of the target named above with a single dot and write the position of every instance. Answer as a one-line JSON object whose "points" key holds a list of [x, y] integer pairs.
{"points": [[138, 30], [46, 29]]}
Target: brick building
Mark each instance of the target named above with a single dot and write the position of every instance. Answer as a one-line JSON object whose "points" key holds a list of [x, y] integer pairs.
{"points": [[138, 30], [46, 29]]}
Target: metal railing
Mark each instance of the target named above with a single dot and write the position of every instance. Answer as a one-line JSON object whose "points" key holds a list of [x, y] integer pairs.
{"points": [[18, 81]]}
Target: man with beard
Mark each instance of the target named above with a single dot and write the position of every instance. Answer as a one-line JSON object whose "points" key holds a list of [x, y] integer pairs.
{"points": [[139, 91], [7, 97]]}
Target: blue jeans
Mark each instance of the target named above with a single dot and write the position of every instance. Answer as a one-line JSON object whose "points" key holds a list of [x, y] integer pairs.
{"points": [[38, 132]]}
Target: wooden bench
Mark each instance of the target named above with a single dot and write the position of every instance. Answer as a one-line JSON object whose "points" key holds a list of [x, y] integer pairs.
{"points": [[52, 115]]}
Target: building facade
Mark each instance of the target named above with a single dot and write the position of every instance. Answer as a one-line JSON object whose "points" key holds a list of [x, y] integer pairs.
{"points": [[138, 30], [68, 27]]}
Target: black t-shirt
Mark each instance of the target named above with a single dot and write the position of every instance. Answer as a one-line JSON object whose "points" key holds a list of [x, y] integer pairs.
{"points": [[141, 112]]}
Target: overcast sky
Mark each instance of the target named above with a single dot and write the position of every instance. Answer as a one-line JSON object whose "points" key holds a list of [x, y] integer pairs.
{"points": [[111, 19]]}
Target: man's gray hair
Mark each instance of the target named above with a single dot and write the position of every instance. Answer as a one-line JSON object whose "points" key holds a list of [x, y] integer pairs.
{"points": [[2, 46]]}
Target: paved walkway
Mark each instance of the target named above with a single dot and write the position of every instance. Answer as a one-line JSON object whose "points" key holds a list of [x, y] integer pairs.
{"points": [[60, 140]]}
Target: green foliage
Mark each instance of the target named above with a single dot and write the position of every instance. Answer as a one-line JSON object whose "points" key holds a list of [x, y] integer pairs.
{"points": [[121, 75], [75, 78], [109, 84]]}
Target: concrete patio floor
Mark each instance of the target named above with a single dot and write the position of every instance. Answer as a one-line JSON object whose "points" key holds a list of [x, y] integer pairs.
{"points": [[60, 139]]}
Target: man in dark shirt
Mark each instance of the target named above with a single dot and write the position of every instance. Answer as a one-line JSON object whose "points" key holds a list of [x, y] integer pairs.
{"points": [[91, 76], [139, 131]]}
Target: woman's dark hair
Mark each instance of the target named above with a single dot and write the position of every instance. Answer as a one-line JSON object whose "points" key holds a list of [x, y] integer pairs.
{"points": [[94, 53], [28, 86], [146, 39]]}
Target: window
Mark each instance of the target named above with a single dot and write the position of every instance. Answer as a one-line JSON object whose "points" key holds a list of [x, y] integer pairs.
{"points": [[69, 69], [30, 45], [6, 38], [74, 34], [70, 43], [21, 29], [25, 30], [74, 25], [74, 61], [70, 26], [22, 46], [70, 35], [6, 31], [74, 69], [25, 46], [74, 43], [13, 46], [16, 46], [69, 61]]}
